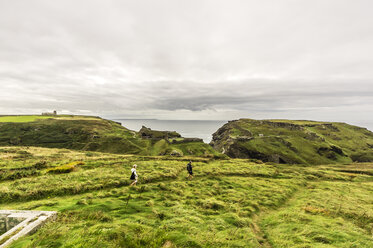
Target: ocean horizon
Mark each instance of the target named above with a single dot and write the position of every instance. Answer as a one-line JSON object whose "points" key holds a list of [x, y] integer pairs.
{"points": [[187, 128]]}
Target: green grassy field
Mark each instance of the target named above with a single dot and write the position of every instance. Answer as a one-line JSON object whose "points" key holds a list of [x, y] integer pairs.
{"points": [[229, 203], [23, 118]]}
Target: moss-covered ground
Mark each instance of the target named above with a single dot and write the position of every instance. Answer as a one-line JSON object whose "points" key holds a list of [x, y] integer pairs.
{"points": [[229, 203]]}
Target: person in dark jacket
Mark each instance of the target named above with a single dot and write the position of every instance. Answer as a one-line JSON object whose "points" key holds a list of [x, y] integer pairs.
{"points": [[190, 170]]}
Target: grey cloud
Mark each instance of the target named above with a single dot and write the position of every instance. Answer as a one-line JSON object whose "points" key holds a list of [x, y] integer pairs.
{"points": [[275, 97], [192, 59]]}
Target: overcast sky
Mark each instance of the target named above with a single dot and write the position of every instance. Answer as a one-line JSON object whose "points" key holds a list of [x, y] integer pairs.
{"points": [[190, 59]]}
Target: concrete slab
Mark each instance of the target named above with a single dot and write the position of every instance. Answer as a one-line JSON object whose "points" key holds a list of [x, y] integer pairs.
{"points": [[30, 221]]}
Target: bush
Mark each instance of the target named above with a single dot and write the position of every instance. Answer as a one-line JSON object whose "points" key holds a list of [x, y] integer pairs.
{"points": [[67, 168], [61, 169]]}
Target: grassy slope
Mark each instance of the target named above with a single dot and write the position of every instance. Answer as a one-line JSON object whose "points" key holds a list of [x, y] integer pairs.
{"points": [[23, 118], [305, 142], [326, 214], [230, 203], [87, 133]]}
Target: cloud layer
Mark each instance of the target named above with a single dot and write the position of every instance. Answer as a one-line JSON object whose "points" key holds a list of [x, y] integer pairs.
{"points": [[206, 59]]}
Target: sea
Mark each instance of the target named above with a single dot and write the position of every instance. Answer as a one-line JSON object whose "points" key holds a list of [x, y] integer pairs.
{"points": [[195, 128], [187, 128]]}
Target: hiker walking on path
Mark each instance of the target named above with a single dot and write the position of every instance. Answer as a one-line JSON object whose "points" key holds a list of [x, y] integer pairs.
{"points": [[190, 170], [134, 175]]}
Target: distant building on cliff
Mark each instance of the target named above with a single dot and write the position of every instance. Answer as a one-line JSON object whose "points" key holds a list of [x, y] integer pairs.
{"points": [[46, 113]]}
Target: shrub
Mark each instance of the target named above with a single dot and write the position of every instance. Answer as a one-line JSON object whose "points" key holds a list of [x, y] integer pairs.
{"points": [[67, 168], [61, 169]]}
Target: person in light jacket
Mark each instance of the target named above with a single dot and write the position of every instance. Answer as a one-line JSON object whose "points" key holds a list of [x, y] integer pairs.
{"points": [[134, 175]]}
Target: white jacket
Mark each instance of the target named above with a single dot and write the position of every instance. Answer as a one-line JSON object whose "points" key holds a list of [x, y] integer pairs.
{"points": [[133, 170]]}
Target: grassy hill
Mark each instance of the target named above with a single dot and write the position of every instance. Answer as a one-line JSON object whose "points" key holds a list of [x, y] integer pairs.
{"points": [[286, 141], [23, 118], [91, 134], [229, 203]]}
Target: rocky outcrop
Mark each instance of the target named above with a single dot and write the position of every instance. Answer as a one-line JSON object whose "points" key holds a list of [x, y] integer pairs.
{"points": [[171, 137], [286, 125], [185, 140], [285, 141], [176, 153], [147, 133]]}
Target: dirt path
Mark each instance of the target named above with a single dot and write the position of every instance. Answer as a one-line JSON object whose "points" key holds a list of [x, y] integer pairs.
{"points": [[260, 236], [257, 218]]}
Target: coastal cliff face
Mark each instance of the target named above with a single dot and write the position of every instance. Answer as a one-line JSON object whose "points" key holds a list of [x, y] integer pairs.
{"points": [[294, 142], [90, 133], [172, 143]]}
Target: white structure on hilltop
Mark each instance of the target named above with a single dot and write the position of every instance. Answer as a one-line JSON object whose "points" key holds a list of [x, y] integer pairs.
{"points": [[46, 113]]}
